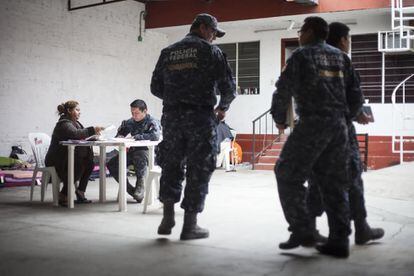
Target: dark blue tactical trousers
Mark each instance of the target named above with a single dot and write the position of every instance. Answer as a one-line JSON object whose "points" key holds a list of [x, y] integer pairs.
{"points": [[356, 190], [320, 145], [138, 157], [189, 144]]}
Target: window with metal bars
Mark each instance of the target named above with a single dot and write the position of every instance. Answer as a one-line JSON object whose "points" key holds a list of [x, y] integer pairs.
{"points": [[244, 60], [368, 62]]}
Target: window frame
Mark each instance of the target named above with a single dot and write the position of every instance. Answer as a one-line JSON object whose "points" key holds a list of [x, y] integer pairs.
{"points": [[236, 70], [367, 61]]}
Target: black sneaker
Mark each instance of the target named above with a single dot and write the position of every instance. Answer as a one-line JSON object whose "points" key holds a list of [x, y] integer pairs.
{"points": [[63, 200], [63, 203], [296, 240], [81, 199]]}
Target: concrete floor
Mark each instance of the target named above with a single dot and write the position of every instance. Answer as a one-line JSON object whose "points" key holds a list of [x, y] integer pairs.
{"points": [[243, 215]]}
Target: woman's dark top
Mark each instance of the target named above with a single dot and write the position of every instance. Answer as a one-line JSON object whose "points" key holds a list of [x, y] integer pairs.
{"points": [[57, 155]]}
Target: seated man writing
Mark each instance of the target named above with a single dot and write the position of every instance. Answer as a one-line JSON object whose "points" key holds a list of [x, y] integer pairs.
{"points": [[141, 126]]}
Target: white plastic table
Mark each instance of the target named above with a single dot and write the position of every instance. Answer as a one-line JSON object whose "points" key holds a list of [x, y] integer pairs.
{"points": [[122, 145]]}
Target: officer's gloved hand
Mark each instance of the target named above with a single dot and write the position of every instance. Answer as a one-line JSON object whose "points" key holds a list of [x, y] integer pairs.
{"points": [[363, 118], [281, 128], [220, 114]]}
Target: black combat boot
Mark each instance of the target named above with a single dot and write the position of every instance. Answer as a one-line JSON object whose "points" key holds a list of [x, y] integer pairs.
{"points": [[339, 249], [130, 189], [191, 230], [138, 194], [168, 220], [295, 240], [318, 237], [364, 233]]}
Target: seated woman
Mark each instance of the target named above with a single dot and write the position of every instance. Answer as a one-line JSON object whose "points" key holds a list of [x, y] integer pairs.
{"points": [[68, 127]]}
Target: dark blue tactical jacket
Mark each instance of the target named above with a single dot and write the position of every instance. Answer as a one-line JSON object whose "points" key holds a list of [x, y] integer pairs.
{"points": [[146, 129], [190, 72], [322, 81]]}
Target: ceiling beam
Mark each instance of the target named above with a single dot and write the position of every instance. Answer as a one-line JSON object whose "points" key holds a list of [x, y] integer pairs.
{"points": [[306, 2], [168, 13]]}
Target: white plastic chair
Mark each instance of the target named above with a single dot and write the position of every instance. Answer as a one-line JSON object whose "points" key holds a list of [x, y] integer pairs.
{"points": [[152, 183], [152, 186], [40, 143], [223, 158], [234, 133], [226, 149]]}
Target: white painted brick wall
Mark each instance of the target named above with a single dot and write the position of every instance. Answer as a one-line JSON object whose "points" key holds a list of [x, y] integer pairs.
{"points": [[49, 55], [246, 108]]}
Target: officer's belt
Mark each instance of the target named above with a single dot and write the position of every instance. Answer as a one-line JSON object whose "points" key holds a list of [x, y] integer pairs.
{"points": [[335, 114], [185, 107]]}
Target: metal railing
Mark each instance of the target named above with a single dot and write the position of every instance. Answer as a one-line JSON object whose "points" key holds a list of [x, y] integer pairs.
{"points": [[400, 18], [363, 149], [400, 118], [392, 41], [263, 122]]}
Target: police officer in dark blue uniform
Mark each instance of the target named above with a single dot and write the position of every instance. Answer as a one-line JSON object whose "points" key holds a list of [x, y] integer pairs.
{"points": [[141, 126], [187, 77], [322, 82], [339, 38]]}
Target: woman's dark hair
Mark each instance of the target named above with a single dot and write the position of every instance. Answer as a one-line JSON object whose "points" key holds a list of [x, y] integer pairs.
{"points": [[63, 108], [318, 25], [337, 30], [140, 104]]}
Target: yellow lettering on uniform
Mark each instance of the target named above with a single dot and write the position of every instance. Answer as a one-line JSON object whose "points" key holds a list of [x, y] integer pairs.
{"points": [[182, 66], [331, 74]]}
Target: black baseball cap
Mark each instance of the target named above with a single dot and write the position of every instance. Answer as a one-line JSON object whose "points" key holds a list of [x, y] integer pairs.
{"points": [[209, 20]]}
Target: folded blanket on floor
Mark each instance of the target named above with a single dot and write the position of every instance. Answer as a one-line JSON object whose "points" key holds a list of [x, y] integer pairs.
{"points": [[19, 173], [13, 182], [12, 178], [17, 180]]}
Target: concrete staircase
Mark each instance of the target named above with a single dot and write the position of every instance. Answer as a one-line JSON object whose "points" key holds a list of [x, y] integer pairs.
{"points": [[268, 159], [379, 154]]}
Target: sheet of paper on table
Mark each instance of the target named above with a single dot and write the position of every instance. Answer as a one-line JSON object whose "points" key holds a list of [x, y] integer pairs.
{"points": [[122, 139], [105, 134]]}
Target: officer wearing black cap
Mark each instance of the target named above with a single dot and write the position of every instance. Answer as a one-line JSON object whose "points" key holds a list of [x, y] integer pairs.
{"points": [[188, 76], [211, 21]]}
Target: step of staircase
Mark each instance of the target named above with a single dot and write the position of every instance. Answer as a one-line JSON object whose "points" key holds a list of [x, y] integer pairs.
{"points": [[277, 145], [379, 154], [266, 159], [264, 167], [273, 152]]}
